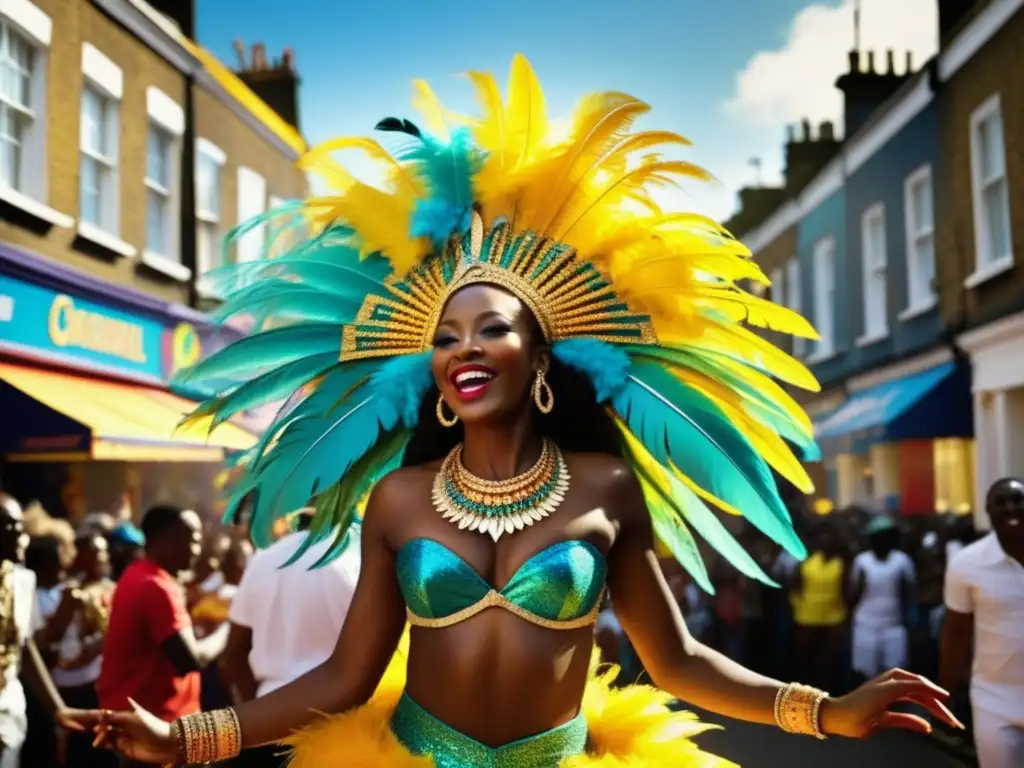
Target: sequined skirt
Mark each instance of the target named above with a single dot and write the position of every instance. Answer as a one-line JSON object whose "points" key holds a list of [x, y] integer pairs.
{"points": [[423, 734]]}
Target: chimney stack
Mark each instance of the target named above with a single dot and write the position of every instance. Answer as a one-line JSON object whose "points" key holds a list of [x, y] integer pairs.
{"points": [[952, 15], [865, 91], [239, 47], [807, 155], [277, 84], [826, 131]]}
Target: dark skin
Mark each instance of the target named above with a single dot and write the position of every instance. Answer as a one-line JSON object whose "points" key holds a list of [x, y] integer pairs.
{"points": [[13, 543], [505, 678], [1005, 507], [175, 550]]}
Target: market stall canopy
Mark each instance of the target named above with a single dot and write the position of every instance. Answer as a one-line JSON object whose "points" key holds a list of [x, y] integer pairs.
{"points": [[60, 416]]}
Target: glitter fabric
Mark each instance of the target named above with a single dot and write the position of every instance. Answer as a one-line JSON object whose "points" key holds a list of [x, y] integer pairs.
{"points": [[423, 734], [562, 583]]}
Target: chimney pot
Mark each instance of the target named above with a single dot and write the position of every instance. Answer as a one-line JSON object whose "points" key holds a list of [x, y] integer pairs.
{"points": [[288, 58], [871, 62], [806, 125], [826, 131], [890, 61], [910, 62], [854, 57], [239, 47], [790, 134]]}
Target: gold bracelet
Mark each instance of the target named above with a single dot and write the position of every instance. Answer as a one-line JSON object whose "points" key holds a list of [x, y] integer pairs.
{"points": [[208, 737], [798, 709]]}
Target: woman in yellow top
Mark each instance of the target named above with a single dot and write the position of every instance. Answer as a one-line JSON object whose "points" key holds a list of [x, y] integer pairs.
{"points": [[819, 606]]}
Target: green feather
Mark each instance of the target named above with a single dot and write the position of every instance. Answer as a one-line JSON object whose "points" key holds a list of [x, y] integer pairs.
{"points": [[263, 350], [270, 387], [760, 407], [672, 532], [684, 503], [677, 424]]}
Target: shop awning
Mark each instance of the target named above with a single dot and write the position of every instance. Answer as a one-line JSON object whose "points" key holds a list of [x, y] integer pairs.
{"points": [[59, 416], [927, 405]]}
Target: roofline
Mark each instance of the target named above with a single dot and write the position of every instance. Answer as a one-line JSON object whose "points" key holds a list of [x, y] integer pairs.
{"points": [[166, 40], [888, 121]]}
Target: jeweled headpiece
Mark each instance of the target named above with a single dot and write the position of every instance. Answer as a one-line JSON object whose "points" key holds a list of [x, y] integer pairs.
{"points": [[649, 304]]}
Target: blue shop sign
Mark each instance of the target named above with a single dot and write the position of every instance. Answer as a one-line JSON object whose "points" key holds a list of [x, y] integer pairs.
{"points": [[76, 331]]}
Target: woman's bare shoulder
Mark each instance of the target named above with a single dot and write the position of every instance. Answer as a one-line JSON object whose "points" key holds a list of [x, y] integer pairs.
{"points": [[399, 493], [608, 472]]}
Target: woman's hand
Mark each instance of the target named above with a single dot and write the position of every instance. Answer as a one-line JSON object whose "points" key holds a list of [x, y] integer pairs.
{"points": [[865, 710], [138, 735]]}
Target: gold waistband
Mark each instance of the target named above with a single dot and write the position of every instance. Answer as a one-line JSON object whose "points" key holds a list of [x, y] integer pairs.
{"points": [[495, 599]]}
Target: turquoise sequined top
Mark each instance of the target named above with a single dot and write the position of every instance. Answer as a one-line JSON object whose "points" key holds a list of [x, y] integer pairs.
{"points": [[560, 587]]}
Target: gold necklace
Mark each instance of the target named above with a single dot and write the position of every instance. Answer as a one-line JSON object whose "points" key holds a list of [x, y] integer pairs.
{"points": [[497, 507]]}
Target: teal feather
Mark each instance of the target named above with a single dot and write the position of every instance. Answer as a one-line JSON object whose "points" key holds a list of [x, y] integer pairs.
{"points": [[264, 350], [683, 502], [274, 296], [385, 457], [270, 387], [399, 386], [677, 424], [760, 407], [448, 171], [604, 364], [332, 270]]}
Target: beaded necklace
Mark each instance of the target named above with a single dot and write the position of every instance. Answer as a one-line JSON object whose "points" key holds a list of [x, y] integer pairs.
{"points": [[496, 507]]}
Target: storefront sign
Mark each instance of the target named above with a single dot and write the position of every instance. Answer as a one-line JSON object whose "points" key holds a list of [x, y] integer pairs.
{"points": [[76, 331]]}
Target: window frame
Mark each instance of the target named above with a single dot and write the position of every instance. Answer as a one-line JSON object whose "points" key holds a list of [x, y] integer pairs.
{"points": [[794, 299], [874, 274], [824, 298], [251, 245], [208, 221], [31, 194], [920, 298], [987, 264], [167, 117], [105, 80]]}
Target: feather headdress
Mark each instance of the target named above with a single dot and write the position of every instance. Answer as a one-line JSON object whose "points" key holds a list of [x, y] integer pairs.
{"points": [[647, 303]]}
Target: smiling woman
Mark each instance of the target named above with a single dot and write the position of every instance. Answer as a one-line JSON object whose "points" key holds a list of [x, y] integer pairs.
{"points": [[538, 381]]}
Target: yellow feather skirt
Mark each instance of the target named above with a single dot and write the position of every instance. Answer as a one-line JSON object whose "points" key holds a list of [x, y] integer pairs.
{"points": [[629, 727]]}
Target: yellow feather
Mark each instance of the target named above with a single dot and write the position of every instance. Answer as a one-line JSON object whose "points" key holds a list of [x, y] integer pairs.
{"points": [[741, 306], [526, 115], [426, 102], [372, 149], [381, 221], [628, 727], [764, 440]]}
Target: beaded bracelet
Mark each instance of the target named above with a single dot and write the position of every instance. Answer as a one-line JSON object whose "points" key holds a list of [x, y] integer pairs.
{"points": [[798, 709], [208, 737]]}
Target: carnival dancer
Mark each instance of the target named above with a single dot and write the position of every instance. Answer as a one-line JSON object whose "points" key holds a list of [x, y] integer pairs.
{"points": [[538, 372]]}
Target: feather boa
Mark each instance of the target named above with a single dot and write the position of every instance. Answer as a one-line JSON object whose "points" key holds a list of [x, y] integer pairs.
{"points": [[629, 727]]}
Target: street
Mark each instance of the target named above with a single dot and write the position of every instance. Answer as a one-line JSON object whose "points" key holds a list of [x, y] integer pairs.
{"points": [[759, 746]]}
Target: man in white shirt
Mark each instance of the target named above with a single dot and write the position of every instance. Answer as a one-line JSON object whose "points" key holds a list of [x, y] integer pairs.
{"points": [[984, 596], [881, 579], [286, 621]]}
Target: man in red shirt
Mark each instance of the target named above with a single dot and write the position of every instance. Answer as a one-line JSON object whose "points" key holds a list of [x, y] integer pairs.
{"points": [[151, 654]]}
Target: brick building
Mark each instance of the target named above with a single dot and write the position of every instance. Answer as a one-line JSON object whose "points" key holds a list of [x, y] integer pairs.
{"points": [[127, 151], [980, 223], [907, 246]]}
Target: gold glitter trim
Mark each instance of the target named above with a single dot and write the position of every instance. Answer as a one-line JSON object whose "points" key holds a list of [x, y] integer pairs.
{"points": [[495, 599]]}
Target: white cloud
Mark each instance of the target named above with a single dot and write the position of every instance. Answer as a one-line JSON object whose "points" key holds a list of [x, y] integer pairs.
{"points": [[798, 80]]}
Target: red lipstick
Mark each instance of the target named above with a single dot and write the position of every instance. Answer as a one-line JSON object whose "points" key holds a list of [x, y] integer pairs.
{"points": [[471, 382]]}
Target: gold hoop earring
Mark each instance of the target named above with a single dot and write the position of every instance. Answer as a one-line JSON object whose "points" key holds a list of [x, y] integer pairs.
{"points": [[542, 394], [444, 420]]}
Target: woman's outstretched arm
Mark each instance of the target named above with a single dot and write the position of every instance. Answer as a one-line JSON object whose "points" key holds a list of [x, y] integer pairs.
{"points": [[370, 636], [695, 673], [347, 679]]}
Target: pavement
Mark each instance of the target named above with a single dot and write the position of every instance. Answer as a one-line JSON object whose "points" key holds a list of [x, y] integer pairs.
{"points": [[760, 746]]}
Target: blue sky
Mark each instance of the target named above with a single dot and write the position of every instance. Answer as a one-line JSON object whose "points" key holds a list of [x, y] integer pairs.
{"points": [[727, 74]]}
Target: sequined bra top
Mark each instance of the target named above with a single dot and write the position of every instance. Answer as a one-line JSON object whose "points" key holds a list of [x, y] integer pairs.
{"points": [[558, 588]]}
